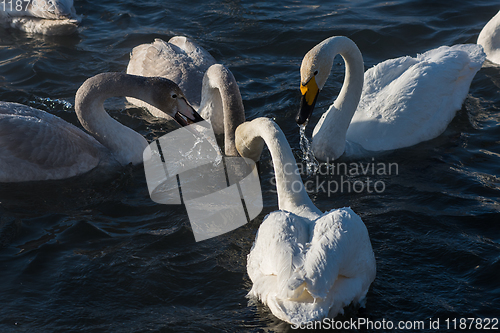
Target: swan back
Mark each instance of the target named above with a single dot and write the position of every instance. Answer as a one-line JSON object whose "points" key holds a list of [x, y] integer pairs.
{"points": [[54, 9], [35, 145], [180, 60], [49, 17], [489, 39], [198, 54], [46, 9], [317, 267], [409, 100]]}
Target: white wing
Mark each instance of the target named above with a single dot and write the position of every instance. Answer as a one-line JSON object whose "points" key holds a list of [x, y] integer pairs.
{"points": [[277, 251], [303, 278], [35, 145], [409, 100], [338, 268]]}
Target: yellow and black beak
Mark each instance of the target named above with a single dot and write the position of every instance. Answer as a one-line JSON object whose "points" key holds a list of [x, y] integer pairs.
{"points": [[310, 93]]}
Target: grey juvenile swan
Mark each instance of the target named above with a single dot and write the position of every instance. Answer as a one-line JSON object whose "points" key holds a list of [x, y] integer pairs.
{"points": [[209, 85], [36, 145]]}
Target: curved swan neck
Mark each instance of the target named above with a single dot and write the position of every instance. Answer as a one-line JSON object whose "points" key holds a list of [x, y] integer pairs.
{"points": [[489, 38], [125, 144], [329, 134], [350, 94], [234, 115], [292, 195], [221, 93]]}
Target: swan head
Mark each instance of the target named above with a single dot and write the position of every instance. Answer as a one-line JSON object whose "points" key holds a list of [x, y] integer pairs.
{"points": [[247, 143], [314, 72], [169, 98], [157, 91]]}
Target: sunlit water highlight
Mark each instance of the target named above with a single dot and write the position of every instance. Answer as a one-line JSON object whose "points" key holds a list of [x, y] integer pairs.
{"points": [[98, 255]]}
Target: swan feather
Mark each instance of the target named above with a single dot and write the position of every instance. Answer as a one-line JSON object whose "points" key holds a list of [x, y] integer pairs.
{"points": [[409, 100], [48, 17], [489, 39], [314, 273], [63, 149], [304, 265], [180, 60]]}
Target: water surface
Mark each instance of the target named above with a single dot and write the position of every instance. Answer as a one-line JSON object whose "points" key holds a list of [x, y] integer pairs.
{"points": [[97, 255]]}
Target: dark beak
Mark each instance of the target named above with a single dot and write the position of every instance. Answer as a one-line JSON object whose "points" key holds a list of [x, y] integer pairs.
{"points": [[310, 92], [187, 115], [185, 120], [305, 110]]}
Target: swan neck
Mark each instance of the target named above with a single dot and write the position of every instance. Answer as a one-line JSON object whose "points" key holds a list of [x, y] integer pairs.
{"points": [[489, 36], [125, 144], [234, 115], [350, 94], [292, 195], [329, 135], [222, 105]]}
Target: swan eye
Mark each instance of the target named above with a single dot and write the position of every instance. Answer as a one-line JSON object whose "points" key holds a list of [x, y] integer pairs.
{"points": [[174, 96], [315, 72]]}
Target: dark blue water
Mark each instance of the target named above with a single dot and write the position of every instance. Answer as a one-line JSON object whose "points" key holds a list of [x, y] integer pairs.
{"points": [[95, 254]]}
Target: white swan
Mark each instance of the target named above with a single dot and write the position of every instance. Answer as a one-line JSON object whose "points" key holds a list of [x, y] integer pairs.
{"points": [[49, 17], [35, 145], [304, 264], [209, 87], [404, 101], [489, 39]]}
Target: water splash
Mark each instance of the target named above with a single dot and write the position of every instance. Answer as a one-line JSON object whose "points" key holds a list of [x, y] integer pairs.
{"points": [[312, 164], [53, 102], [200, 149]]}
